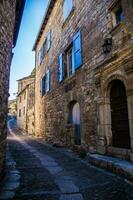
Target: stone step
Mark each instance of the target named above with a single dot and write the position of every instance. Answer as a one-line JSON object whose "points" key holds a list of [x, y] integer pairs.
{"points": [[116, 165]]}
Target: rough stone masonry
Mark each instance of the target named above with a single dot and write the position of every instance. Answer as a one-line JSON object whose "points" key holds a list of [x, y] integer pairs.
{"points": [[9, 23], [107, 63]]}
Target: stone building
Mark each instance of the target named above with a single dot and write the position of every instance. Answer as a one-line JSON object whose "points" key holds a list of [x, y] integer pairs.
{"points": [[25, 103], [10, 17], [12, 108], [84, 75]]}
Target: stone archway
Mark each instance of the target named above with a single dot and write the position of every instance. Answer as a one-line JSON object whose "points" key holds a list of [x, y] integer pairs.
{"points": [[119, 115], [105, 143]]}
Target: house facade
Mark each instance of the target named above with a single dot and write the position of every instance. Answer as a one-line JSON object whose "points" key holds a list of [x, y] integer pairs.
{"points": [[25, 103], [10, 18], [84, 75], [12, 108]]}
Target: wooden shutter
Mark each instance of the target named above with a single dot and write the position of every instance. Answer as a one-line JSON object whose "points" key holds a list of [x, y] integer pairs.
{"points": [[39, 57], [41, 54], [77, 51], [60, 68], [48, 40], [47, 81], [41, 87]]}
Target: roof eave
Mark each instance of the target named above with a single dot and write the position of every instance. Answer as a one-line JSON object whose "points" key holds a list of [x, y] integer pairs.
{"points": [[44, 22], [19, 12]]}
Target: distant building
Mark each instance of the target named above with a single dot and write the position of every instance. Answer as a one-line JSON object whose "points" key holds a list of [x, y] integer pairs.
{"points": [[25, 103], [10, 18], [84, 75], [12, 108]]}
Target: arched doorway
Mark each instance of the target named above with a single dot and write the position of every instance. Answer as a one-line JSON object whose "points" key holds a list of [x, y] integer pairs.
{"points": [[74, 118], [119, 115]]}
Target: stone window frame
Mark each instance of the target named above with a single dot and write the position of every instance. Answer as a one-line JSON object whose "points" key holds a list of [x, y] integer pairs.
{"points": [[115, 6]]}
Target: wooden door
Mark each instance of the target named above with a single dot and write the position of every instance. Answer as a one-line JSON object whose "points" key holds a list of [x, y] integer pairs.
{"points": [[119, 115]]}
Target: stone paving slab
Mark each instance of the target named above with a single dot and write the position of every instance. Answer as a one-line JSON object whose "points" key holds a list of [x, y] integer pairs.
{"points": [[116, 165], [50, 173], [72, 197]]}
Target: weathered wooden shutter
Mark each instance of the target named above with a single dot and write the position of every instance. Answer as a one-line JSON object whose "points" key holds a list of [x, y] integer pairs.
{"points": [[39, 57], [48, 41], [47, 81], [77, 51], [41, 89], [42, 86], [60, 68]]}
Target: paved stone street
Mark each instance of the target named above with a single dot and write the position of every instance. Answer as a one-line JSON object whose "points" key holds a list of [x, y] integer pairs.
{"points": [[38, 171]]}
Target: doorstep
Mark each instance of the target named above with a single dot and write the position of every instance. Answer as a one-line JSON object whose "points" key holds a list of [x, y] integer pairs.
{"points": [[116, 165]]}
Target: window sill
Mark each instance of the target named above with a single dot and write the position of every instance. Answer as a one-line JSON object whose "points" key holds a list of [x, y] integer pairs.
{"points": [[72, 77], [116, 28]]}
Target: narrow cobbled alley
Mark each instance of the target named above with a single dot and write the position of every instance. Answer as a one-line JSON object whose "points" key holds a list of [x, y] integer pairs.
{"points": [[38, 171]]}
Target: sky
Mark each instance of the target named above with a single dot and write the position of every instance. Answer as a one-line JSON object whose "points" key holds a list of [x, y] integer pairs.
{"points": [[24, 59]]}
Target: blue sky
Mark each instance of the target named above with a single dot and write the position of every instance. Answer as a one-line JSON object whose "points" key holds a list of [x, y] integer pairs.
{"points": [[23, 60]]}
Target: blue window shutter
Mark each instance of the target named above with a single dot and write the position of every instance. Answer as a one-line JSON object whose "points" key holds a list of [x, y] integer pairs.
{"points": [[47, 81], [39, 57], [41, 54], [77, 51], [42, 86], [42, 51], [41, 89], [48, 40], [60, 68]]}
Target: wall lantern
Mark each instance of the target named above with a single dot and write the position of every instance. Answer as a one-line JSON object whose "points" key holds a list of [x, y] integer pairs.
{"points": [[107, 45]]}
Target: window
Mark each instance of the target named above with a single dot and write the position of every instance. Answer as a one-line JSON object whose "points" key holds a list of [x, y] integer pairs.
{"points": [[45, 48], [67, 8], [20, 99], [45, 83], [71, 60], [24, 110], [117, 13], [19, 112], [25, 95], [67, 72], [41, 54]]}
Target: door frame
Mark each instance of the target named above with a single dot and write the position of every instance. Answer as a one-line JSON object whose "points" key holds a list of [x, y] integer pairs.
{"points": [[104, 140], [115, 143]]}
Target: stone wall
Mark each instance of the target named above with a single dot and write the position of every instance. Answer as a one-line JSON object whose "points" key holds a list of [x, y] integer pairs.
{"points": [[25, 104], [7, 21], [94, 20], [30, 110]]}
